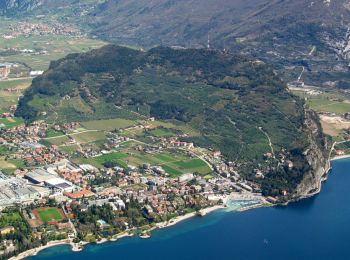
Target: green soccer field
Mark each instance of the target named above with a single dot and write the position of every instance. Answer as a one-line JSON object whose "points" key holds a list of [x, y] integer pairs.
{"points": [[50, 214]]}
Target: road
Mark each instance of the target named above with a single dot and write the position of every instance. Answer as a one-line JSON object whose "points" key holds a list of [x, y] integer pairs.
{"points": [[269, 139], [70, 222]]}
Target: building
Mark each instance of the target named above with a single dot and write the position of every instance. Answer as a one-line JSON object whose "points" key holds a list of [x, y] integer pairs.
{"points": [[7, 230], [47, 179], [35, 73], [80, 194], [14, 190], [186, 177], [63, 165], [59, 184], [4, 71]]}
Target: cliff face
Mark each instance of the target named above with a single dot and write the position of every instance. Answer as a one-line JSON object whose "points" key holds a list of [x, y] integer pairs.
{"points": [[316, 155]]}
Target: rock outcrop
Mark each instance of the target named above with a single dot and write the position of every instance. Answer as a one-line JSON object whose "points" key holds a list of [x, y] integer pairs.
{"points": [[317, 156]]}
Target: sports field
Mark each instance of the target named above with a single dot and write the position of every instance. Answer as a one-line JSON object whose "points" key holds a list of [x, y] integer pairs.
{"points": [[48, 214]]}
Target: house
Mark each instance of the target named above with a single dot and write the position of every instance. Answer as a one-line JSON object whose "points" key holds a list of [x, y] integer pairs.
{"points": [[7, 230], [4, 71], [186, 177]]}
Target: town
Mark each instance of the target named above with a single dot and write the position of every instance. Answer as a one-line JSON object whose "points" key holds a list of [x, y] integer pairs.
{"points": [[81, 192]]}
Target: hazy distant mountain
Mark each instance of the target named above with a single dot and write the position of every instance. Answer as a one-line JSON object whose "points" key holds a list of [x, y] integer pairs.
{"points": [[288, 34], [10, 6]]}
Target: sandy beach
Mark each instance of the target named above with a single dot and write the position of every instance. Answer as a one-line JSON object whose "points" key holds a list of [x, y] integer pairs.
{"points": [[340, 157], [178, 219]]}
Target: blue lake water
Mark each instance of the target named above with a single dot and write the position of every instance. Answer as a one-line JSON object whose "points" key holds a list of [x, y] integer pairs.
{"points": [[316, 228]]}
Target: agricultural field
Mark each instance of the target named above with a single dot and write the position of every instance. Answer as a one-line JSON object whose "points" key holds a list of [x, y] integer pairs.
{"points": [[52, 46], [10, 122], [89, 137], [4, 164], [333, 102], [10, 91], [69, 149], [109, 124], [83, 137], [162, 132], [175, 163], [58, 140], [46, 215], [171, 126], [330, 101], [53, 133], [9, 166]]}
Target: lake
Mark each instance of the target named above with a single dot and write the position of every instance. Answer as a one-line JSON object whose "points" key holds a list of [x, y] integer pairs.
{"points": [[315, 228]]}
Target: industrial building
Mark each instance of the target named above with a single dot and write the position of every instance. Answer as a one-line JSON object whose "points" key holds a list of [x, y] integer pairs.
{"points": [[44, 178], [14, 190]]}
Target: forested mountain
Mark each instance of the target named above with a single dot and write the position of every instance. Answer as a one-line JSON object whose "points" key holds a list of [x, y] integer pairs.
{"points": [[234, 103]]}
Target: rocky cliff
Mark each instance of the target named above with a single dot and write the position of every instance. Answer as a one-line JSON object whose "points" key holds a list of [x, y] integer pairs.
{"points": [[316, 155]]}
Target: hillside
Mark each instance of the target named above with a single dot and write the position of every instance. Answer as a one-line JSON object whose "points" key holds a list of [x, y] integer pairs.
{"points": [[237, 106]]}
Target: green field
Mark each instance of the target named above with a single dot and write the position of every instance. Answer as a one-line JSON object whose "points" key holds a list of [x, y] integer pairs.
{"points": [[174, 163], [59, 140], [10, 91], [108, 125], [82, 138], [50, 214], [10, 123], [334, 102], [191, 164], [112, 157], [171, 171], [16, 83], [89, 137], [56, 46], [53, 133], [68, 149], [162, 132]]}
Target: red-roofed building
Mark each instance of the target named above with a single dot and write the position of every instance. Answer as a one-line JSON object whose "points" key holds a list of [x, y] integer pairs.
{"points": [[79, 194]]}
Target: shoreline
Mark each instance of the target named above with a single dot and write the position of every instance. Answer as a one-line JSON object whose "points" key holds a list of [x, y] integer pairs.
{"points": [[80, 246], [35, 251], [178, 219], [166, 224], [340, 157]]}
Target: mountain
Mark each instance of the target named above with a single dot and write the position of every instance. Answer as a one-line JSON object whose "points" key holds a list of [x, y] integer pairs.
{"points": [[15, 6], [288, 34], [236, 105], [294, 36]]}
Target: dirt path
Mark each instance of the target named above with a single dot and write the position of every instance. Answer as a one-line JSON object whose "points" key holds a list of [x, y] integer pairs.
{"points": [[269, 140]]}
